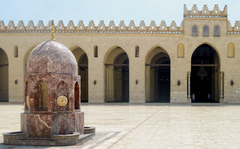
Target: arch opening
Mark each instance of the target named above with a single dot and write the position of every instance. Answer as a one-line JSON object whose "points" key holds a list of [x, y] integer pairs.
{"points": [[4, 76], [205, 68], [76, 96], [62, 90], [158, 76], [117, 76], [82, 60], [41, 96]]}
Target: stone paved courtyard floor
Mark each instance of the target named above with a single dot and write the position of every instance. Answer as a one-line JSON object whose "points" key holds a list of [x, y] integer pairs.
{"points": [[147, 126]]}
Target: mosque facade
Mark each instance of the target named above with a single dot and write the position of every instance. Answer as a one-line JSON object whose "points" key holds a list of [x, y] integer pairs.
{"points": [[135, 64]]}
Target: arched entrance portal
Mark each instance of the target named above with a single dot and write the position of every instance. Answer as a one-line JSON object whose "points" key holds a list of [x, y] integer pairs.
{"points": [[205, 74], [117, 76], [82, 60], [3, 76], [157, 76]]}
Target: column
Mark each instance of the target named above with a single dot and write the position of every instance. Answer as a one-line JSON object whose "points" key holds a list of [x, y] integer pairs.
{"points": [[221, 87], [188, 87]]}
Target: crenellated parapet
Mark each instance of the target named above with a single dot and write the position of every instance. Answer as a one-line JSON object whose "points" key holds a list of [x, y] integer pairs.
{"points": [[101, 28], [205, 12], [234, 29], [121, 28]]}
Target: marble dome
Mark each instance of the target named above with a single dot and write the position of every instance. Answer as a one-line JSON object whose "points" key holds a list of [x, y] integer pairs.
{"points": [[51, 57]]}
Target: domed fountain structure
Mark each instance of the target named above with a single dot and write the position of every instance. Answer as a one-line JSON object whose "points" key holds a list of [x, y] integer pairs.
{"points": [[52, 112]]}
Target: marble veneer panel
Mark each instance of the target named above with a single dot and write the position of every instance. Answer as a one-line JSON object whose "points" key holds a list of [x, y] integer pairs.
{"points": [[43, 126]]}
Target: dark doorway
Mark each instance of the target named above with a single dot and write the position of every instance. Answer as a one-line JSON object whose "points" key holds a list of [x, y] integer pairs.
{"points": [[160, 78], [83, 72], [125, 82], [3, 76], [204, 74], [118, 79]]}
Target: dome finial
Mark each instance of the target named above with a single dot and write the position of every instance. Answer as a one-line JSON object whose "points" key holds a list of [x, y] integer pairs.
{"points": [[53, 30]]}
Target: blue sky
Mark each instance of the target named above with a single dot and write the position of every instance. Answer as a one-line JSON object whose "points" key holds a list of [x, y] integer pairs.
{"points": [[107, 10]]}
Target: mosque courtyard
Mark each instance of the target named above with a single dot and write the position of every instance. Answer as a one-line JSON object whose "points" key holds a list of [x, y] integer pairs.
{"points": [[147, 126]]}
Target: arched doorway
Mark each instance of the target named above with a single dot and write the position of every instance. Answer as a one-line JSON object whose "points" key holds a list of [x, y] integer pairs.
{"points": [[82, 60], [205, 74], [117, 75], [3, 76], [158, 76]]}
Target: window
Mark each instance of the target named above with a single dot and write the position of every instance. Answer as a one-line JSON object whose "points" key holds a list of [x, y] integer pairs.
{"points": [[216, 31], [231, 50], [137, 51], [195, 30], [95, 51], [205, 31], [180, 51], [15, 51]]}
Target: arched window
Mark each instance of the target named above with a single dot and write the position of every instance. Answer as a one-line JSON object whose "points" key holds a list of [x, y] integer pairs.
{"points": [[195, 30], [180, 51], [76, 96], [137, 51], [95, 51], [216, 31], [15, 51], [63, 90], [41, 96], [231, 50], [205, 31]]}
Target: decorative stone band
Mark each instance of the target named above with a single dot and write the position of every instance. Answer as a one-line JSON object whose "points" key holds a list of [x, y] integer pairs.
{"points": [[99, 32], [205, 12], [101, 28], [235, 29], [234, 33], [92, 29]]}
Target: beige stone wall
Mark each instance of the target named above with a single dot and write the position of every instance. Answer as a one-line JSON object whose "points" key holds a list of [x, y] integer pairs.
{"points": [[106, 42]]}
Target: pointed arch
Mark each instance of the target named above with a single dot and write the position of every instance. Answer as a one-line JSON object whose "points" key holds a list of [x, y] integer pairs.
{"points": [[153, 51], [41, 96], [82, 60], [4, 75], [78, 52], [116, 75], [205, 68], [211, 45], [62, 90], [157, 75], [120, 49]]}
